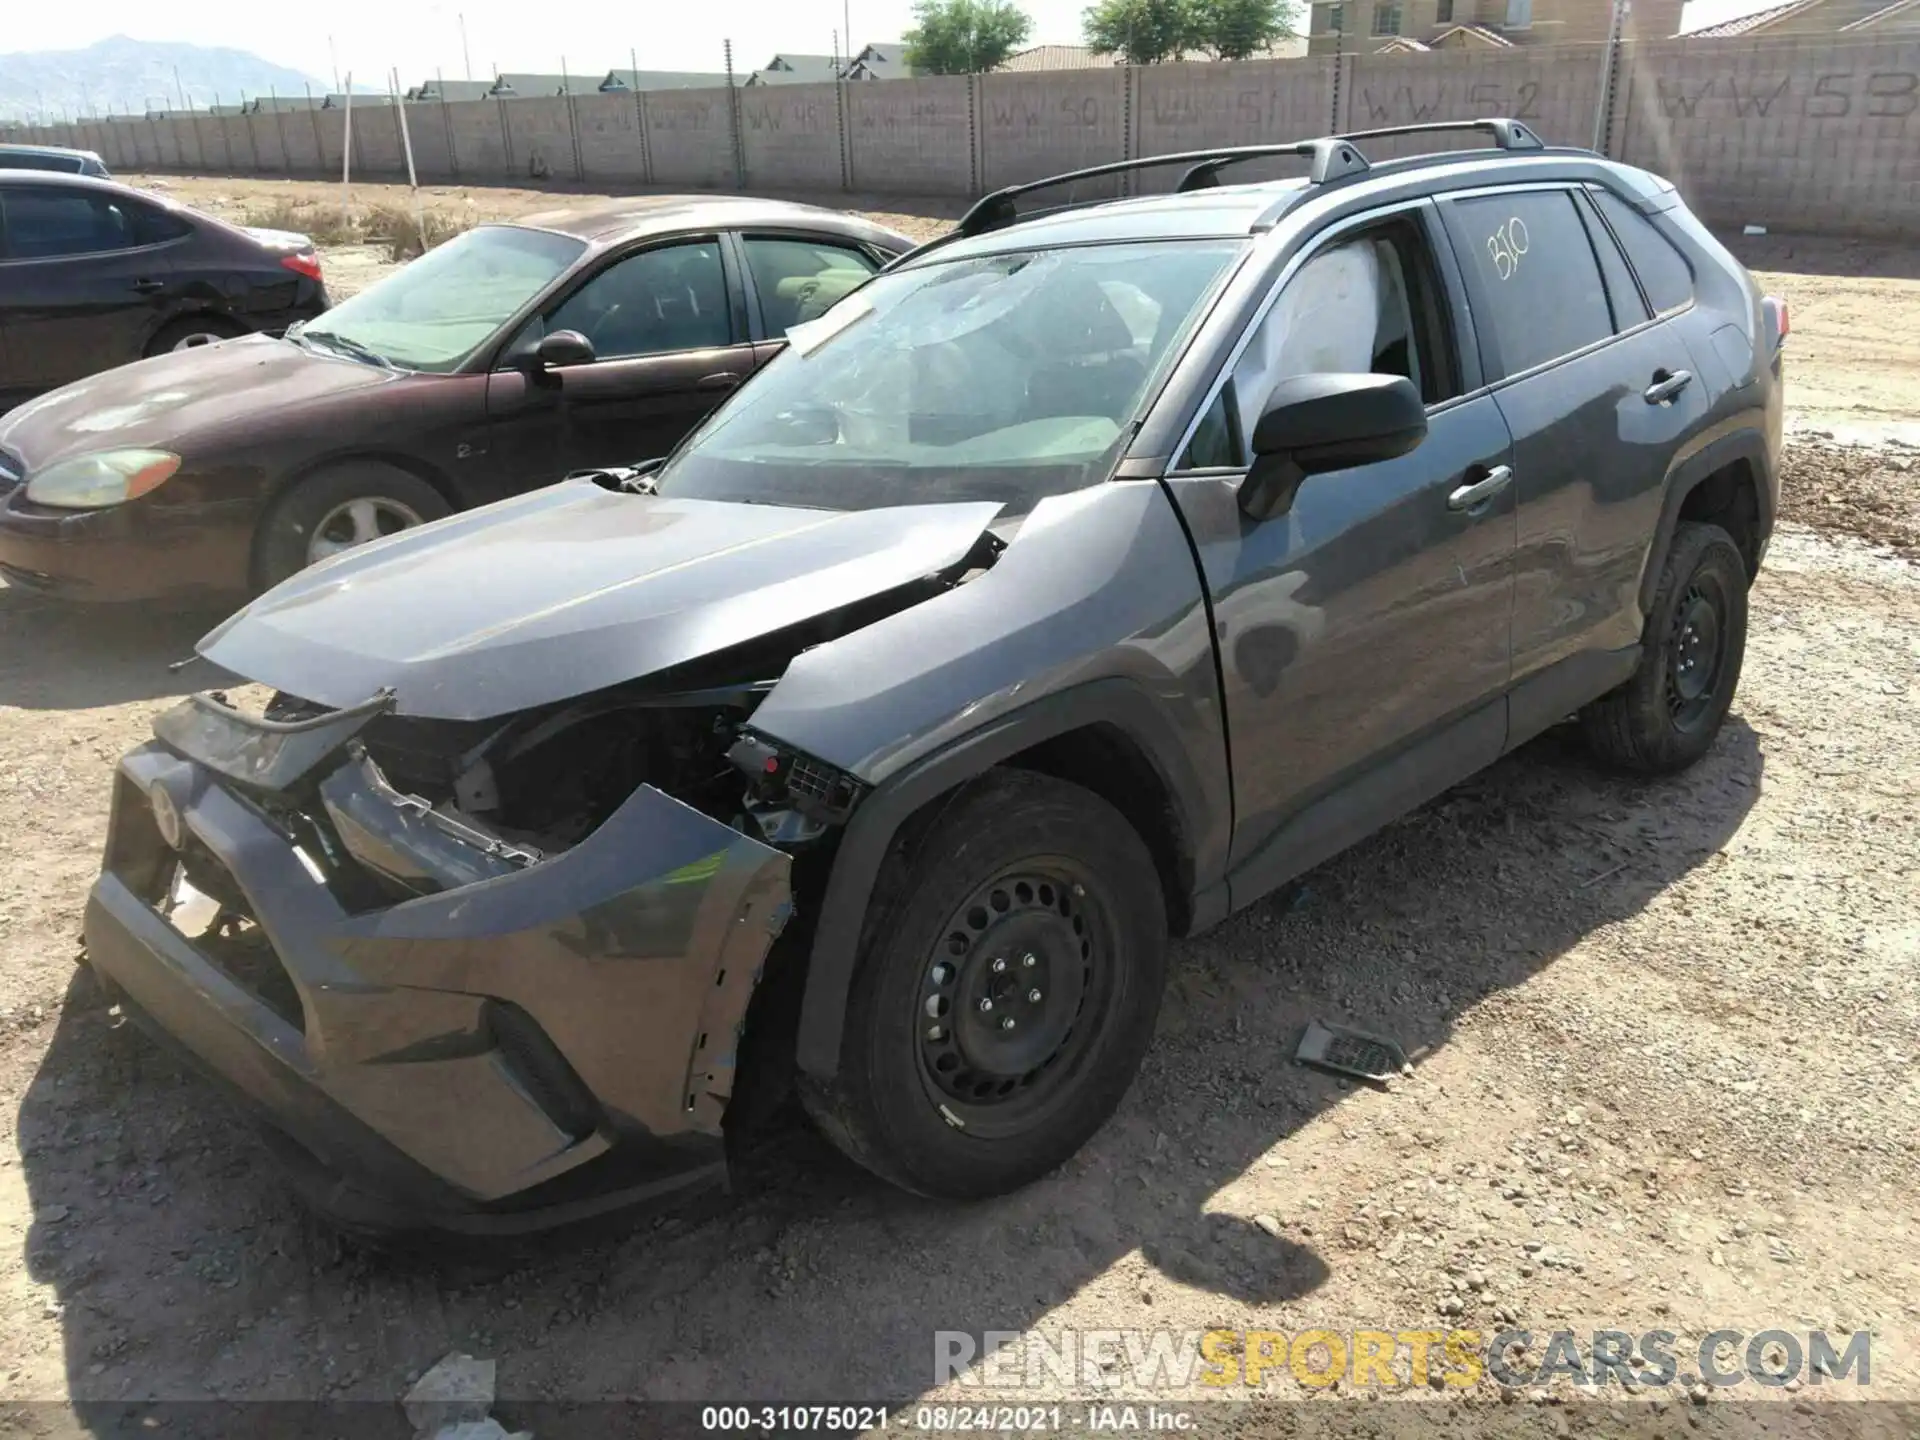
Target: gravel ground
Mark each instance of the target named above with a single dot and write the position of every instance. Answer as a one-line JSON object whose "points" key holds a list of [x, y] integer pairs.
{"points": [[1665, 1041]]}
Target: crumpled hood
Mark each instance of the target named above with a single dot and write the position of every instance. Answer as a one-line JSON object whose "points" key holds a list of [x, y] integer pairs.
{"points": [[570, 589], [167, 401]]}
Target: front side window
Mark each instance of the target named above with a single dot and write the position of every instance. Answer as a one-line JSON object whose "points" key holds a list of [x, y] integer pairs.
{"points": [[1002, 377], [1537, 272], [434, 313], [653, 302], [799, 279], [54, 224], [1361, 305]]}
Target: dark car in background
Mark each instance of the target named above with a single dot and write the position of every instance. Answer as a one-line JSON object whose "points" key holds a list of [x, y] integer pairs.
{"points": [[94, 274], [495, 363], [58, 158]]}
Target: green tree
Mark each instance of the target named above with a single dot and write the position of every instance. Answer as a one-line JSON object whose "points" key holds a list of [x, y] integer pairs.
{"points": [[963, 37], [1142, 32], [1235, 29]]}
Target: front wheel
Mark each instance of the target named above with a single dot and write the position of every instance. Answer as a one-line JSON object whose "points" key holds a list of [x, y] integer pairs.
{"points": [[1008, 982], [339, 510], [1669, 713]]}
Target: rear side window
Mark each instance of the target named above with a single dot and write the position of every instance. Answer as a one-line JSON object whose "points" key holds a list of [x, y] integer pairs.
{"points": [[799, 279], [38, 160], [1629, 309], [51, 224], [153, 227], [1662, 268], [1537, 272]]}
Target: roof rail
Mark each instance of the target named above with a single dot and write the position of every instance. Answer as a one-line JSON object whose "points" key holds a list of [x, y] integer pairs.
{"points": [[1334, 157]]}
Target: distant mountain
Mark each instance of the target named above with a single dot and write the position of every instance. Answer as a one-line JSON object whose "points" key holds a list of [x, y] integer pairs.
{"points": [[127, 76]]}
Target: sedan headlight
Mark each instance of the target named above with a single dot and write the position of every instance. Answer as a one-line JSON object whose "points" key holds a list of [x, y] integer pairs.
{"points": [[107, 477]]}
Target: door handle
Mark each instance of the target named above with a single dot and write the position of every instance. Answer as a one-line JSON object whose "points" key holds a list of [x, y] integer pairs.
{"points": [[725, 380], [1480, 491], [1666, 385], [149, 287]]}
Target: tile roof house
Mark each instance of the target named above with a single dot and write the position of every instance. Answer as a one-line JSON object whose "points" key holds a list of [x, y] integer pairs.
{"points": [[1855, 18], [617, 81], [1415, 25]]}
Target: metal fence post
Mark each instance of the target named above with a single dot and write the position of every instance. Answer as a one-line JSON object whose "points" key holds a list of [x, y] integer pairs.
{"points": [[1609, 79], [733, 121]]}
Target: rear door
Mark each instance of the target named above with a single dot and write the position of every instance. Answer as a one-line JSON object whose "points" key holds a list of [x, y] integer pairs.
{"points": [[668, 329], [1599, 394], [79, 291]]}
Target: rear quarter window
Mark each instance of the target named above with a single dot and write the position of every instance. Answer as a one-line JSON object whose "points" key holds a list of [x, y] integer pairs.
{"points": [[1663, 270]]}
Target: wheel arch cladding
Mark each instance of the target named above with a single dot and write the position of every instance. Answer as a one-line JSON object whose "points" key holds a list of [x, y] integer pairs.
{"points": [[1725, 482], [1087, 638]]}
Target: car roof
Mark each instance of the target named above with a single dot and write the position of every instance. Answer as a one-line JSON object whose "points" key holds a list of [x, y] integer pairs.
{"points": [[77, 181], [21, 147], [611, 222]]}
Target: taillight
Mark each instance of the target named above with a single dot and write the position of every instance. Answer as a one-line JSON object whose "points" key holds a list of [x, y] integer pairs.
{"points": [[305, 263]]}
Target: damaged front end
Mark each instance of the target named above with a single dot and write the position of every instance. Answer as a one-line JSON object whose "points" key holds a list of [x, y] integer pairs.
{"points": [[484, 975]]}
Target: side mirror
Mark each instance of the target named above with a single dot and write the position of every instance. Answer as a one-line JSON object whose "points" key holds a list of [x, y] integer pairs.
{"points": [[559, 350], [1315, 423]]}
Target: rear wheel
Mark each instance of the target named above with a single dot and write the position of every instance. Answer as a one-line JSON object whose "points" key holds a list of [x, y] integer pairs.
{"points": [[193, 332], [339, 510], [1669, 713], [1007, 987]]}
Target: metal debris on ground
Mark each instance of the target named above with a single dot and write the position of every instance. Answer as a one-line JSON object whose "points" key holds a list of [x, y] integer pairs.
{"points": [[1350, 1052]]}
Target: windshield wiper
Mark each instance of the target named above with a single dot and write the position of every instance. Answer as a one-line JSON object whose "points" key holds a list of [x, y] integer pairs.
{"points": [[352, 349]]}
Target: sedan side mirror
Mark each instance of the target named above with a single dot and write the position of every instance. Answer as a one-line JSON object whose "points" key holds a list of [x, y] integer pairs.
{"points": [[559, 350], [1315, 423]]}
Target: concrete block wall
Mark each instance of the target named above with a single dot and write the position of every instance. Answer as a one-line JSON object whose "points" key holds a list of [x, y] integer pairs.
{"points": [[610, 140], [1804, 133], [912, 136], [689, 135], [1797, 132], [790, 136]]}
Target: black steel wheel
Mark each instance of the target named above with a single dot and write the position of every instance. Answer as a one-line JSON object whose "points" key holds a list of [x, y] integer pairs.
{"points": [[1669, 712], [1008, 982]]}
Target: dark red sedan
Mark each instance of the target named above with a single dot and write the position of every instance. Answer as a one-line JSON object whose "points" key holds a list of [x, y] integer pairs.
{"points": [[494, 364]]}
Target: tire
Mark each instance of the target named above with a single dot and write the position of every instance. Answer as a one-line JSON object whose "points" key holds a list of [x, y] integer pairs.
{"points": [[336, 502], [940, 1094], [194, 330], [1669, 713]]}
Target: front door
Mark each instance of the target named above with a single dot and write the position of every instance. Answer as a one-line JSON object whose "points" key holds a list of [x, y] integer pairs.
{"points": [[669, 346], [1363, 634]]}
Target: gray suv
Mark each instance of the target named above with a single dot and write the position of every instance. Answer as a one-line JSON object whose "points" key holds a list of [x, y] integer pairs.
{"points": [[1075, 582]]}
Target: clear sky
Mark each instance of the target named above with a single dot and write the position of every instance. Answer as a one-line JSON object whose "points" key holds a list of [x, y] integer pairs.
{"points": [[367, 36]]}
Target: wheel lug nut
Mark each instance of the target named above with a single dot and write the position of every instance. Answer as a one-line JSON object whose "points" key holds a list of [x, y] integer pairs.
{"points": [[941, 974], [1029, 960], [934, 1032], [1007, 1024], [933, 1006], [986, 1004], [1033, 997], [999, 967]]}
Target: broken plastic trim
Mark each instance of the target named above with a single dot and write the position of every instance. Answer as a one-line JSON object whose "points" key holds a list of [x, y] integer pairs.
{"points": [[405, 839], [264, 754]]}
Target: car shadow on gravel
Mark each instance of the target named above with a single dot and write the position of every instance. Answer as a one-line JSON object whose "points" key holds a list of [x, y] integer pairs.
{"points": [[179, 1269], [59, 656]]}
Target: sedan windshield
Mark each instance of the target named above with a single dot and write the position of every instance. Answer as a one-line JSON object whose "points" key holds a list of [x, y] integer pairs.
{"points": [[435, 312], [1005, 377]]}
